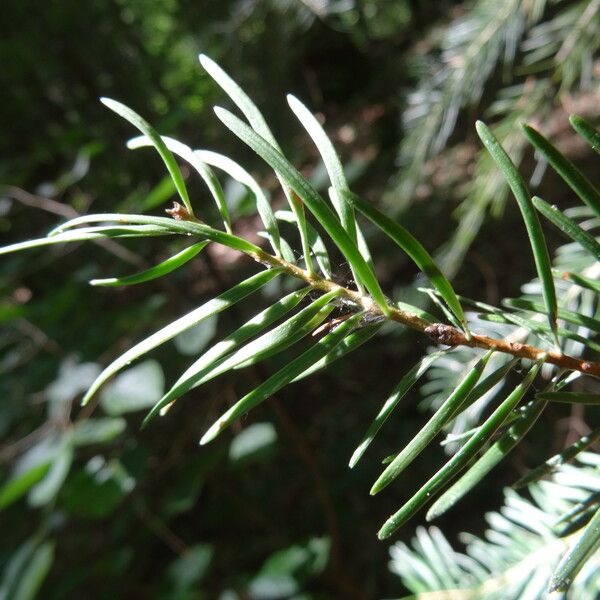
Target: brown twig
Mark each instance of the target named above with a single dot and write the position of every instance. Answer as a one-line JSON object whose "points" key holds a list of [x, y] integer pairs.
{"points": [[439, 333]]}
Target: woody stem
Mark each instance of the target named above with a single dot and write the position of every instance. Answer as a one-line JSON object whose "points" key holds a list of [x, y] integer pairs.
{"points": [[438, 332]]}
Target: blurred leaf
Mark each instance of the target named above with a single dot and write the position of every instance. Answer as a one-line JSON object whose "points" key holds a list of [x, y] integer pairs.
{"points": [[47, 489], [35, 571], [98, 430], [136, 388], [273, 587], [301, 560], [96, 490], [553, 463], [572, 562], [570, 397], [285, 572], [197, 338], [20, 484], [183, 493], [568, 227], [251, 441], [586, 131], [73, 379], [15, 565], [159, 194], [189, 569]]}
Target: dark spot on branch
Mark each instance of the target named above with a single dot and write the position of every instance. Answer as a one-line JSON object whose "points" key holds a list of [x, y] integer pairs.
{"points": [[444, 334]]}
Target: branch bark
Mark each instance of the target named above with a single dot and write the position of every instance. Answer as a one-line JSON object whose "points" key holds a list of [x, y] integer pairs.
{"points": [[439, 333]]}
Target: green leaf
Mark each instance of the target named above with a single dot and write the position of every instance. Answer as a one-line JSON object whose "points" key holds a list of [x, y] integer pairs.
{"points": [[575, 558], [272, 342], [218, 304], [570, 397], [436, 299], [98, 430], [155, 272], [568, 227], [193, 228], [34, 573], [20, 484], [529, 415], [201, 168], [281, 378], [532, 223], [314, 240], [158, 195], [576, 180], [240, 174], [415, 310], [553, 463], [85, 234], [281, 337], [390, 404], [586, 131], [578, 515], [134, 389], [210, 358], [348, 344], [415, 250], [580, 280], [259, 125], [461, 458], [165, 153], [241, 99], [563, 313], [485, 385], [332, 163], [312, 200], [447, 411]]}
